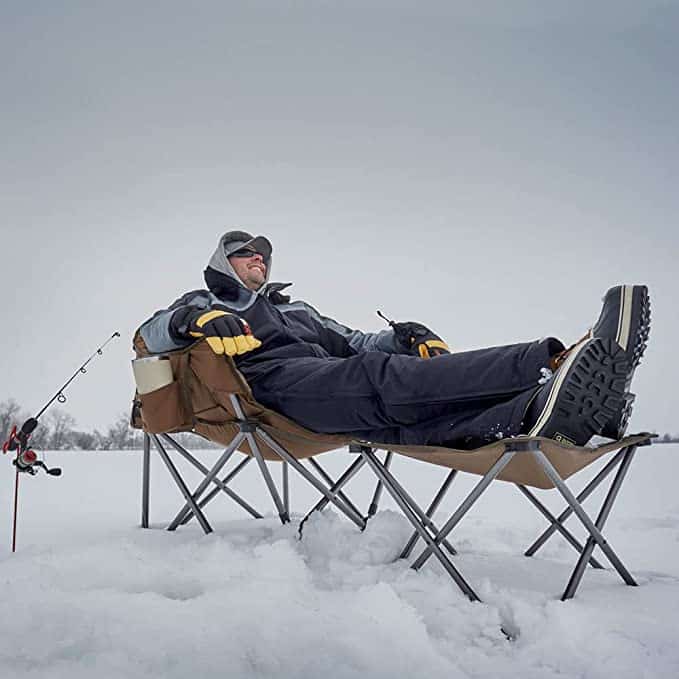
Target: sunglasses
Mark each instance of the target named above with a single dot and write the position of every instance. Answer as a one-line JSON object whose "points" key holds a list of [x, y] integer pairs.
{"points": [[246, 252]]}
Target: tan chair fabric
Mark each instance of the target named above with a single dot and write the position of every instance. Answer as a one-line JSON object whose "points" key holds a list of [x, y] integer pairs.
{"points": [[199, 401], [523, 468]]}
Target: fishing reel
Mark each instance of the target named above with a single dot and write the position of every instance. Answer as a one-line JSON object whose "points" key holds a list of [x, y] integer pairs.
{"points": [[29, 463], [26, 460]]}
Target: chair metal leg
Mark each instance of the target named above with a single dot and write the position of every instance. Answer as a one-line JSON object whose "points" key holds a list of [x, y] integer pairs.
{"points": [[417, 524], [372, 510], [572, 540], [327, 478], [579, 570], [145, 481], [466, 505], [247, 428], [438, 498], [181, 485], [581, 497], [583, 516], [285, 480], [220, 485], [207, 480], [348, 474], [302, 471], [273, 491], [426, 521]]}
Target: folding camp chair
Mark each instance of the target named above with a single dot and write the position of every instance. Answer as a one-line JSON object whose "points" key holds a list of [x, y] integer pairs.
{"points": [[211, 398]]}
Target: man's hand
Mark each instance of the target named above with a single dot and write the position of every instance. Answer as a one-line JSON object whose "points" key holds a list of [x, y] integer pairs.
{"points": [[418, 340], [225, 332]]}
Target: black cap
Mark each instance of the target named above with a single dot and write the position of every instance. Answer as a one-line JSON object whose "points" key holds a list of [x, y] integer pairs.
{"points": [[236, 240]]}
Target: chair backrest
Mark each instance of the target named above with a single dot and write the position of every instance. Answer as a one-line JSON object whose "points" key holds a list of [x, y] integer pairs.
{"points": [[199, 400]]}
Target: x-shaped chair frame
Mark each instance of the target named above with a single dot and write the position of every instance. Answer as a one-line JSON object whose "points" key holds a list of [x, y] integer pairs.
{"points": [[250, 431], [434, 537]]}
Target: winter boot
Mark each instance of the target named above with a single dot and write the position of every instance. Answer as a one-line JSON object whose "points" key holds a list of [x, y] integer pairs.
{"points": [[585, 393], [625, 320]]}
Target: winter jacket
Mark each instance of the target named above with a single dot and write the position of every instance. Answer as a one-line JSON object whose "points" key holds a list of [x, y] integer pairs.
{"points": [[286, 329]]}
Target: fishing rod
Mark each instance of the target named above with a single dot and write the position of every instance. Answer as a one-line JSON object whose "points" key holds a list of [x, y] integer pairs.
{"points": [[399, 332], [26, 460], [405, 332]]}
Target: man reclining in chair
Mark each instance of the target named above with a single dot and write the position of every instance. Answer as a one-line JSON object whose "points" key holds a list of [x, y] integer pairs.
{"points": [[402, 385]]}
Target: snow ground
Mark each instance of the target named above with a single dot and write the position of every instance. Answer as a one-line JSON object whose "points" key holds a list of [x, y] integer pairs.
{"points": [[88, 593]]}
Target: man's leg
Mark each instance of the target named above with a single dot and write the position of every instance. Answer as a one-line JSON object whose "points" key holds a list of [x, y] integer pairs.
{"points": [[573, 406], [464, 428], [377, 391]]}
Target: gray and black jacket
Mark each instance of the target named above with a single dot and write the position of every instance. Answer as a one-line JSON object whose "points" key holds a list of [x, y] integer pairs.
{"points": [[286, 329]]}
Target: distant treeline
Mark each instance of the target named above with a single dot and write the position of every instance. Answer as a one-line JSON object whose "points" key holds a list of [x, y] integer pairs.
{"points": [[57, 431]]}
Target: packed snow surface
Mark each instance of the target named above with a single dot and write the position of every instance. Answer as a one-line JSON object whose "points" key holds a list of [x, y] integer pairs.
{"points": [[90, 594]]}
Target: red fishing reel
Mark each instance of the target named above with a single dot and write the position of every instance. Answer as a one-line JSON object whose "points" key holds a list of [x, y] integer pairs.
{"points": [[26, 459]]}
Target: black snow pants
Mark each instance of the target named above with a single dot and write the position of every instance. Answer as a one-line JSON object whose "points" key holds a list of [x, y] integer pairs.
{"points": [[459, 400]]}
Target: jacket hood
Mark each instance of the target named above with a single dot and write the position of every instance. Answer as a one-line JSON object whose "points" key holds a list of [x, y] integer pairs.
{"points": [[234, 240]]}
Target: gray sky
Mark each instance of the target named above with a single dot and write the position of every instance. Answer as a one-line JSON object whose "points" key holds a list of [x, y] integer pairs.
{"points": [[489, 170]]}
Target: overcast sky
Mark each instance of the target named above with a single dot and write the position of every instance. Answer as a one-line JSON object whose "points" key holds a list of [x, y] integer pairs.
{"points": [[488, 168]]}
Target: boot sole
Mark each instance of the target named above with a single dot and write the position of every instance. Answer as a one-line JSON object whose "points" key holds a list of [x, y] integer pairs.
{"points": [[586, 393], [616, 428], [634, 310]]}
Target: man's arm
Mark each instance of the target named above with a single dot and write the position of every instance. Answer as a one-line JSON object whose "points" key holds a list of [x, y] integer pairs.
{"points": [[409, 338], [359, 341], [335, 335], [156, 332]]}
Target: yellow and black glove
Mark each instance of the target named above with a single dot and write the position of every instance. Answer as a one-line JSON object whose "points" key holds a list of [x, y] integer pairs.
{"points": [[225, 332], [418, 340]]}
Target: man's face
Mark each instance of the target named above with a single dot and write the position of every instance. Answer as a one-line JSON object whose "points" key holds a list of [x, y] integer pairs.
{"points": [[250, 268]]}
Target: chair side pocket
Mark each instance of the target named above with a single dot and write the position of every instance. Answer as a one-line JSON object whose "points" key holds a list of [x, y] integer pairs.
{"points": [[164, 410]]}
